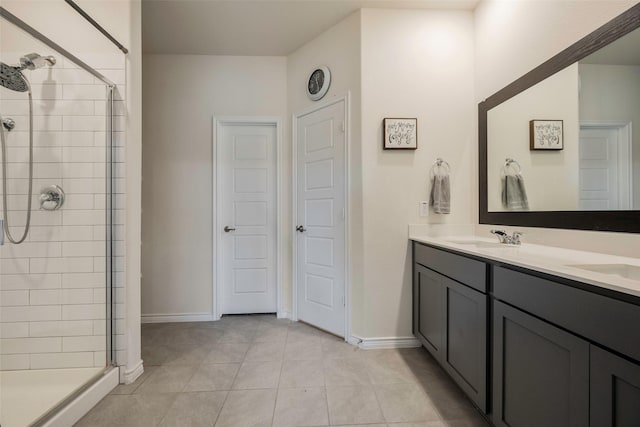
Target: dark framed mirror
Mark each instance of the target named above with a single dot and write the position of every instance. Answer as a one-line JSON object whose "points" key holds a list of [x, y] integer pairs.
{"points": [[557, 148]]}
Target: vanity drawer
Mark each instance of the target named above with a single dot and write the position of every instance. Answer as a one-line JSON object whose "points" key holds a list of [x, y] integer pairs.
{"points": [[602, 319], [465, 270]]}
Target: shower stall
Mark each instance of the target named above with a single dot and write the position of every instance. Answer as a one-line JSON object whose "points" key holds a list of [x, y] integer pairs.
{"points": [[56, 293]]}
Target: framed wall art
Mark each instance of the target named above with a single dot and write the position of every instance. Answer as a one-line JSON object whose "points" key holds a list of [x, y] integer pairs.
{"points": [[546, 135], [400, 134]]}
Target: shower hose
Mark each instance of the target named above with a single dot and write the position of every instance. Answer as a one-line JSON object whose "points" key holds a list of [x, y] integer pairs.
{"points": [[3, 139]]}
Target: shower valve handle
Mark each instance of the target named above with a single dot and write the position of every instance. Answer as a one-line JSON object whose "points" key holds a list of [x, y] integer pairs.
{"points": [[51, 198]]}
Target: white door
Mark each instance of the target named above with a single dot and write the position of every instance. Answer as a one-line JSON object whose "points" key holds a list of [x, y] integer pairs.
{"points": [[604, 169], [320, 213], [248, 218]]}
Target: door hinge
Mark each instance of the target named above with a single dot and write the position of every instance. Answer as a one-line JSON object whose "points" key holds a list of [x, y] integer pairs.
{"points": [[342, 127], [343, 304]]}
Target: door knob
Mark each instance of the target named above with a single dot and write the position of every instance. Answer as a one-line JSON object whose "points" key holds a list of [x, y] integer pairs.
{"points": [[301, 229], [228, 229]]}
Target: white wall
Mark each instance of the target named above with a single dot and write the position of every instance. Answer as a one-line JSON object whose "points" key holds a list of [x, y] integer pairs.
{"points": [[182, 93], [66, 27], [339, 49], [395, 63], [179, 104], [414, 64], [551, 177], [513, 37], [392, 63], [612, 92]]}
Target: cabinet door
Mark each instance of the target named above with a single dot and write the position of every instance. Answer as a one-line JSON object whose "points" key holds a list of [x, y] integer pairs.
{"points": [[429, 309], [541, 373], [615, 390], [465, 356]]}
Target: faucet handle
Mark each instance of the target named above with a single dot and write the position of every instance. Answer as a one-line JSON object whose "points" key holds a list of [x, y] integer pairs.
{"points": [[501, 234], [515, 239]]}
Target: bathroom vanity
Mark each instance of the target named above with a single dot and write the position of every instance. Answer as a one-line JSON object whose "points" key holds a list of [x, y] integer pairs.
{"points": [[534, 335]]}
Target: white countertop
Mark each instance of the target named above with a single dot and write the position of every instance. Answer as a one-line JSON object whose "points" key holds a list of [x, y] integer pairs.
{"points": [[545, 259]]}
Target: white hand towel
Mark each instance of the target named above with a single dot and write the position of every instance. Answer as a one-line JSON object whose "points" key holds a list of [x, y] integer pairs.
{"points": [[514, 194], [440, 197]]}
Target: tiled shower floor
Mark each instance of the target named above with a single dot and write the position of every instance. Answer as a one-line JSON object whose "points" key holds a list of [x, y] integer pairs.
{"points": [[260, 371]]}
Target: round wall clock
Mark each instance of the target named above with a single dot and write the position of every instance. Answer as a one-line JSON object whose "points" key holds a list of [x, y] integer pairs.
{"points": [[318, 83]]}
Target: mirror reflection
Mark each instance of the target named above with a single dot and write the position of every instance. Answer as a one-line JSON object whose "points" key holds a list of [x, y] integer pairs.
{"points": [[568, 142]]}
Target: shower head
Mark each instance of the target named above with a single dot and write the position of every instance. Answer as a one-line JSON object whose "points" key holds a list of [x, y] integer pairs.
{"points": [[12, 78]]}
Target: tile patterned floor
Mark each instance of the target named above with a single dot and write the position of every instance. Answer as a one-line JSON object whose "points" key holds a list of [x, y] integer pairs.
{"points": [[253, 371]]}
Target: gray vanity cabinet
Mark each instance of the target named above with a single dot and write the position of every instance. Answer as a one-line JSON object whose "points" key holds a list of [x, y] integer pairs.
{"points": [[465, 356], [540, 372], [450, 320], [549, 365], [563, 354], [429, 312], [615, 390]]}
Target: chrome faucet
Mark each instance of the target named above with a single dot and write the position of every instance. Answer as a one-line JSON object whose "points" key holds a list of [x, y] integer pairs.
{"points": [[506, 239]]}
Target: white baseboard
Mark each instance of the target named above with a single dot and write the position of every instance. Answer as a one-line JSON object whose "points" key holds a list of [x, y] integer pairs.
{"points": [[183, 317], [384, 342], [353, 340], [71, 414], [129, 376], [283, 314]]}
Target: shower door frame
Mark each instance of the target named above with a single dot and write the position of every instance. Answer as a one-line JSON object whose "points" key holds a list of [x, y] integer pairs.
{"points": [[109, 166]]}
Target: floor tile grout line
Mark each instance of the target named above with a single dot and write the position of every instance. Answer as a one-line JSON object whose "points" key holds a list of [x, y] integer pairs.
{"points": [[228, 392], [326, 396], [168, 409], [275, 405], [231, 387], [141, 382], [273, 418]]}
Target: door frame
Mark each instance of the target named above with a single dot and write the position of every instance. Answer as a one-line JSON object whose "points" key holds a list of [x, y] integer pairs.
{"points": [[217, 274], [625, 140], [347, 226]]}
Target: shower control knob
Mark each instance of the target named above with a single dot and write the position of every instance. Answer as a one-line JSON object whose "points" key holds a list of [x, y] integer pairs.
{"points": [[8, 123], [51, 198], [228, 229]]}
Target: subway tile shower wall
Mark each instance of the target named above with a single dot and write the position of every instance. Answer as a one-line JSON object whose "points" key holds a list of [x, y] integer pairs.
{"points": [[53, 286]]}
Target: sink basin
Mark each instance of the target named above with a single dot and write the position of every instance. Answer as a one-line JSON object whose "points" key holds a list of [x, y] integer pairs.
{"points": [[481, 244], [623, 270]]}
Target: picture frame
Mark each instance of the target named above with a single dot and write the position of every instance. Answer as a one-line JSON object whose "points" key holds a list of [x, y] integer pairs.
{"points": [[546, 135], [400, 133]]}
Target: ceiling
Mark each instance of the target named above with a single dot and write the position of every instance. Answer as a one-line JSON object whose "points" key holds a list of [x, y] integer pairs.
{"points": [[254, 27]]}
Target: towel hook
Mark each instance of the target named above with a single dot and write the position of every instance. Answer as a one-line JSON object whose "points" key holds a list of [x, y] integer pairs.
{"points": [[440, 164]]}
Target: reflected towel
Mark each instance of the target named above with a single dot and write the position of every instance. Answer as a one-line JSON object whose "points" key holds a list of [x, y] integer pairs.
{"points": [[514, 195], [440, 197]]}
